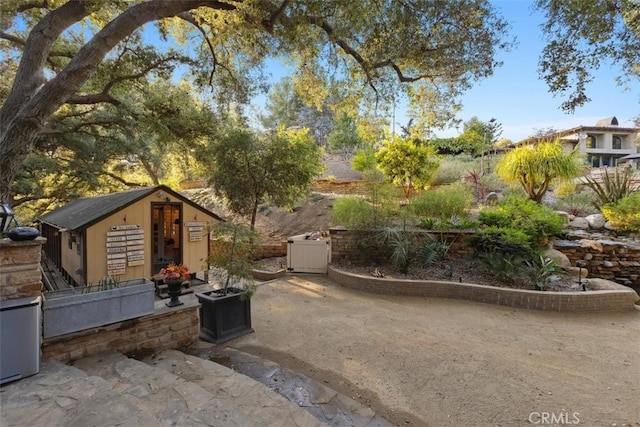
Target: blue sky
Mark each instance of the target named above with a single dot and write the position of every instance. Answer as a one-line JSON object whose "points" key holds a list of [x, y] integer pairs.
{"points": [[519, 100], [517, 97]]}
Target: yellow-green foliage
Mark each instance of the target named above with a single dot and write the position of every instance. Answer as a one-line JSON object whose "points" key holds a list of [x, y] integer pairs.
{"points": [[625, 214], [443, 202], [536, 168]]}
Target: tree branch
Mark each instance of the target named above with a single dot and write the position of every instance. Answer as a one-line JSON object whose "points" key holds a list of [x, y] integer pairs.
{"points": [[269, 23]]}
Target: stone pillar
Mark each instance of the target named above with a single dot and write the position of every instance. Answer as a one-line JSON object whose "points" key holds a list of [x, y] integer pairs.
{"points": [[20, 268]]}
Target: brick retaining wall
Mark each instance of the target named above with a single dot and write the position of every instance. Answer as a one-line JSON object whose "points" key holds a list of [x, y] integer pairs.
{"points": [[590, 301], [165, 329]]}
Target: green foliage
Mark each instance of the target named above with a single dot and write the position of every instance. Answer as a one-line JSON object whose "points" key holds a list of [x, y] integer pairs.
{"points": [[248, 169], [502, 240], [407, 163], [344, 138], [431, 252], [352, 212], [539, 271], [535, 220], [350, 48], [231, 254], [376, 209], [443, 202], [587, 34], [452, 168], [578, 204], [614, 186], [364, 159], [504, 265], [403, 244], [625, 214], [536, 168]]}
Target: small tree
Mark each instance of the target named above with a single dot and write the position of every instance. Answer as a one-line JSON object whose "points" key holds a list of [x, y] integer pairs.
{"points": [[536, 168], [231, 254], [409, 164], [249, 169]]}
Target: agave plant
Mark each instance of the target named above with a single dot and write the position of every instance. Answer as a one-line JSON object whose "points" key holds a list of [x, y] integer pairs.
{"points": [[613, 187]]}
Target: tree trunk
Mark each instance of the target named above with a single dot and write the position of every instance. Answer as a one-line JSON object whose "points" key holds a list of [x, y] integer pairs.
{"points": [[254, 214]]}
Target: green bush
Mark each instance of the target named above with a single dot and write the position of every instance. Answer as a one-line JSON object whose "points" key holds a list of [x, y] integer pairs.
{"points": [[625, 214], [352, 212], [443, 202], [502, 240], [577, 203], [452, 168], [535, 220]]}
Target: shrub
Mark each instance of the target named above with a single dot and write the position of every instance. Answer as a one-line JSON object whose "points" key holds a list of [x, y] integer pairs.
{"points": [[625, 214], [535, 220], [452, 168], [613, 187], [502, 240], [578, 204], [443, 202], [352, 212]]}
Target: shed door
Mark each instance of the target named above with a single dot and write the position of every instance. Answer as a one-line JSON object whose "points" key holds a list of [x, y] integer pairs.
{"points": [[166, 241]]}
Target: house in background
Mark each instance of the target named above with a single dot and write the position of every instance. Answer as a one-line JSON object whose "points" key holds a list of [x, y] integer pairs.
{"points": [[603, 144], [127, 235]]}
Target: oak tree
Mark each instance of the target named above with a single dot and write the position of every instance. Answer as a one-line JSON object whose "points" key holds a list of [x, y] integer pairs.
{"points": [[432, 50]]}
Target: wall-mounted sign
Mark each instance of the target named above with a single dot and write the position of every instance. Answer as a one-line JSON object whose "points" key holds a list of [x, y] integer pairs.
{"points": [[125, 227], [115, 250], [125, 247], [195, 224], [195, 236]]}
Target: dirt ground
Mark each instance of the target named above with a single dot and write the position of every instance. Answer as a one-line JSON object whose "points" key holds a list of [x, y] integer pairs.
{"points": [[439, 362]]}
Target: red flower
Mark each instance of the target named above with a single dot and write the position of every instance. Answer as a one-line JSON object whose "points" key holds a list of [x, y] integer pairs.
{"points": [[175, 272]]}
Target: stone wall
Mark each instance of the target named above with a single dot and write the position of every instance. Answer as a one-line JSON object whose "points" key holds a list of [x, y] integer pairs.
{"points": [[338, 187], [604, 300], [20, 268], [165, 329], [362, 247], [606, 259], [269, 250]]}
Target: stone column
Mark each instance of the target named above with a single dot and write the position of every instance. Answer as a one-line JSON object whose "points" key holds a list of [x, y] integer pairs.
{"points": [[20, 268]]}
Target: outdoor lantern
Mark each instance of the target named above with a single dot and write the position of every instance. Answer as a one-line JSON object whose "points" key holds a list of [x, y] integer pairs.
{"points": [[6, 216]]}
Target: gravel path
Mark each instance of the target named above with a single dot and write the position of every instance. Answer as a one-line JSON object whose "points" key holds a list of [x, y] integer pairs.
{"points": [[437, 362]]}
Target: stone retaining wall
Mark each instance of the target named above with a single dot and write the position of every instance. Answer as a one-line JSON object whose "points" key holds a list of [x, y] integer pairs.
{"points": [[165, 329], [605, 259], [590, 301], [269, 250], [361, 247], [338, 187]]}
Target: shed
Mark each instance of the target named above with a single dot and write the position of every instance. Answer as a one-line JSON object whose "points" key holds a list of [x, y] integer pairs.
{"points": [[127, 235]]}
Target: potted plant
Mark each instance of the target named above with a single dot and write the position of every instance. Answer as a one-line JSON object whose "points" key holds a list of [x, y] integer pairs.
{"points": [[85, 307], [225, 311], [174, 277]]}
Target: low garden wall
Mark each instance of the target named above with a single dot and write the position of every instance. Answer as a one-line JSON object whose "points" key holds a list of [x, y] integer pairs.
{"points": [[359, 247], [605, 258], [589, 301], [166, 328], [617, 261]]}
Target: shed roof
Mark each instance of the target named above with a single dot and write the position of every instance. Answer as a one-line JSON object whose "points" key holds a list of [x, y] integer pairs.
{"points": [[86, 211]]}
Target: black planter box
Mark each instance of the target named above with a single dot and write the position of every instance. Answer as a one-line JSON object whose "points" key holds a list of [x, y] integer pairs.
{"points": [[224, 317]]}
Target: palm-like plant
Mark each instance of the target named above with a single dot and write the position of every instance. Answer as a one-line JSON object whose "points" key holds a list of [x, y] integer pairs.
{"points": [[613, 187], [536, 168]]}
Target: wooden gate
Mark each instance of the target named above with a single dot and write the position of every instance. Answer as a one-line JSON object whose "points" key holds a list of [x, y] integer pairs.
{"points": [[306, 255]]}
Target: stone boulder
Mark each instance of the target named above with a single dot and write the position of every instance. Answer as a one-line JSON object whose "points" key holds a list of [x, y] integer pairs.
{"points": [[560, 259], [579, 223], [596, 221]]}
